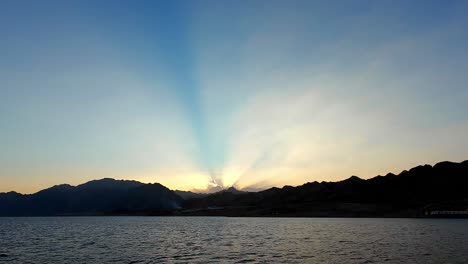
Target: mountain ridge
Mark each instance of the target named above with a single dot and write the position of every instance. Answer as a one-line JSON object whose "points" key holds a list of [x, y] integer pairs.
{"points": [[411, 193], [97, 197]]}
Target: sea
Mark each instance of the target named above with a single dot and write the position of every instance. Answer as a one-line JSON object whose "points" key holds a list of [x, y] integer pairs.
{"points": [[232, 240]]}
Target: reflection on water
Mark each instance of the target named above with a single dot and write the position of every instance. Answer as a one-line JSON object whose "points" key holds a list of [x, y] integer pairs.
{"points": [[231, 240]]}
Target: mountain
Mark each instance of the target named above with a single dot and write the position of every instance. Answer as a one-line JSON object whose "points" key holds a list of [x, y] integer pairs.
{"points": [[233, 190], [186, 195], [411, 193], [105, 196]]}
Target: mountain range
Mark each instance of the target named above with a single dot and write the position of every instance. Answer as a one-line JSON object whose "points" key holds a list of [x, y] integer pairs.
{"points": [[411, 193], [99, 197]]}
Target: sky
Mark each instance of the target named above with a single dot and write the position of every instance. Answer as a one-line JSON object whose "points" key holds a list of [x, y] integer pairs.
{"points": [[211, 94]]}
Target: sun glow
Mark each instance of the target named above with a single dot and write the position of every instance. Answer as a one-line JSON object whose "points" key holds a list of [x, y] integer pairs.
{"points": [[230, 176], [184, 180], [197, 100]]}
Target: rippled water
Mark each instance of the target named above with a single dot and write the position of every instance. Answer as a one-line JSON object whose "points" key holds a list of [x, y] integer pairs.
{"points": [[232, 240]]}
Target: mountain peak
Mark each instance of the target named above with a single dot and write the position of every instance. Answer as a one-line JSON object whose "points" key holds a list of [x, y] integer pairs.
{"points": [[232, 190], [109, 183], [354, 178]]}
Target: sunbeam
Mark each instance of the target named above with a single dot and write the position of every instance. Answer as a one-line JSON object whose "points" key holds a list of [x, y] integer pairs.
{"points": [[188, 95]]}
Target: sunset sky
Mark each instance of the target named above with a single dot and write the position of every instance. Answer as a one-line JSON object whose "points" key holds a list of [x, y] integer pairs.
{"points": [[194, 94]]}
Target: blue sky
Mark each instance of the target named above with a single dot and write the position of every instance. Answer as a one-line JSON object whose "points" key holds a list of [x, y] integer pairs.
{"points": [[194, 94]]}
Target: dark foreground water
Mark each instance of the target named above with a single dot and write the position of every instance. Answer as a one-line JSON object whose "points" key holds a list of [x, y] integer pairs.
{"points": [[232, 240]]}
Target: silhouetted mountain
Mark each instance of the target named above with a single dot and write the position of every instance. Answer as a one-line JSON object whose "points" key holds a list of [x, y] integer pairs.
{"points": [[189, 195], [106, 196], [110, 184], [233, 190], [411, 193]]}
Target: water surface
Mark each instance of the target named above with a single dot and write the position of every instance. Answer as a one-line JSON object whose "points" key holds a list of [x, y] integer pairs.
{"points": [[232, 240]]}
